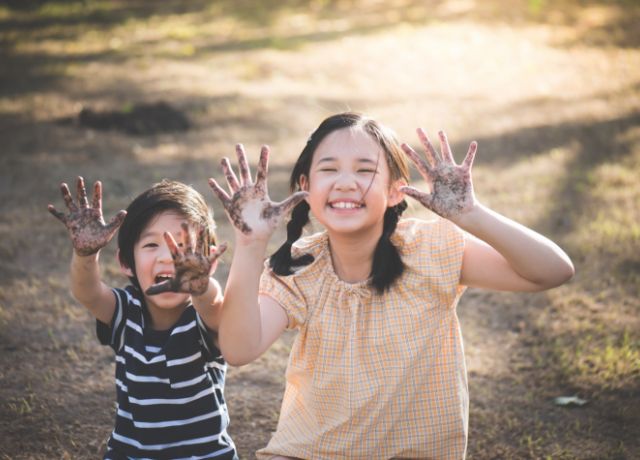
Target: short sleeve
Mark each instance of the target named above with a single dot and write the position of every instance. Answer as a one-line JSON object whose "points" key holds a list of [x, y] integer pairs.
{"points": [[433, 252], [285, 291], [111, 334]]}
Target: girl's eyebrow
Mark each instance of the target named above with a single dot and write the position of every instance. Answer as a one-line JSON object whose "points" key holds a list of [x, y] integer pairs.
{"points": [[360, 160]]}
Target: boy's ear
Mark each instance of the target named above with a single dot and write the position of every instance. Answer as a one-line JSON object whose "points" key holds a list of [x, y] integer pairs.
{"points": [[395, 195], [123, 268]]}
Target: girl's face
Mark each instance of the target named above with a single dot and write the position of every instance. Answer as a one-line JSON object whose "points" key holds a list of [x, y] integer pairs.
{"points": [[153, 259], [349, 183]]}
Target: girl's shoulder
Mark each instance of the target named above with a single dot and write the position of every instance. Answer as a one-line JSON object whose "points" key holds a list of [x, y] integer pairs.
{"points": [[412, 232], [315, 245]]}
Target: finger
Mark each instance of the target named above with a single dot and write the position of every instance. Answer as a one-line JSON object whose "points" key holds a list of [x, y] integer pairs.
{"points": [[97, 195], [57, 214], [232, 180], [471, 154], [116, 222], [216, 252], [431, 153], [420, 162], [263, 167], [284, 207], [245, 175], [187, 239], [413, 192], [445, 148], [222, 195], [173, 246], [200, 242], [165, 286], [82, 193], [66, 195]]}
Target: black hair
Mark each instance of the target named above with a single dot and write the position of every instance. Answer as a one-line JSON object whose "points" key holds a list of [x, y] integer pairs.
{"points": [[166, 195], [387, 265]]}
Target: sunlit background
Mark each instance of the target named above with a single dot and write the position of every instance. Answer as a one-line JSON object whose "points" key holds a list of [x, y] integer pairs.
{"points": [[129, 92]]}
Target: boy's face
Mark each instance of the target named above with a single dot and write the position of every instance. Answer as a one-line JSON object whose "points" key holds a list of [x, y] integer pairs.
{"points": [[153, 259]]}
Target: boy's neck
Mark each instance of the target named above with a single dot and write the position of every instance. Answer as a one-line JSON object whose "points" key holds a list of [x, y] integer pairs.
{"points": [[161, 319], [352, 255]]}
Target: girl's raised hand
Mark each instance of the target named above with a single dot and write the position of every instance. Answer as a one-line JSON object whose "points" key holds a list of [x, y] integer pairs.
{"points": [[192, 266], [451, 187], [88, 231], [249, 206]]}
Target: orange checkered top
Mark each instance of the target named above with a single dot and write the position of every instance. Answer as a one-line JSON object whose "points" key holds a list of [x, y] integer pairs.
{"points": [[375, 376]]}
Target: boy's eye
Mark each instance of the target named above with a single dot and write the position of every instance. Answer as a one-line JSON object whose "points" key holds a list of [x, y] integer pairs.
{"points": [[327, 169]]}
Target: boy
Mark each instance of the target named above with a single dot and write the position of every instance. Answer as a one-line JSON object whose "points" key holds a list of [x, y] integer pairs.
{"points": [[169, 371]]}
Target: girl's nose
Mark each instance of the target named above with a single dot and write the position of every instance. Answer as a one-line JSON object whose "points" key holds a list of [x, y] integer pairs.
{"points": [[346, 181]]}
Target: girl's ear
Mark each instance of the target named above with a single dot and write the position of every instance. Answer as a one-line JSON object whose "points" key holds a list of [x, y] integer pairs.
{"points": [[123, 268], [304, 183], [395, 195]]}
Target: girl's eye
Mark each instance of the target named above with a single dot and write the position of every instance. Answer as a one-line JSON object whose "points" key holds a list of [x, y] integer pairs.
{"points": [[150, 245], [367, 171]]}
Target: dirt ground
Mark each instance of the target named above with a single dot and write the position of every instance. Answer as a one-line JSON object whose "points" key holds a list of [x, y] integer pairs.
{"points": [[132, 92]]}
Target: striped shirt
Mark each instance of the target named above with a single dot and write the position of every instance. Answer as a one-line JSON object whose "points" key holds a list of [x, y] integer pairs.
{"points": [[169, 386], [375, 376]]}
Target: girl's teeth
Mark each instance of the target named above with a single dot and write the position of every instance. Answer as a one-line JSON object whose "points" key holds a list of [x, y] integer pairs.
{"points": [[343, 205]]}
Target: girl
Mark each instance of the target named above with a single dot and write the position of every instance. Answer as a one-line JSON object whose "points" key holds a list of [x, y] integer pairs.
{"points": [[377, 369]]}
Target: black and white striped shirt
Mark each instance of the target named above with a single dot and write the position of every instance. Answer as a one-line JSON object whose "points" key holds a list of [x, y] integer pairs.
{"points": [[169, 386]]}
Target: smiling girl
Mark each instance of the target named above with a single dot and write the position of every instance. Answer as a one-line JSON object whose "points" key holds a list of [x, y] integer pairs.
{"points": [[377, 369]]}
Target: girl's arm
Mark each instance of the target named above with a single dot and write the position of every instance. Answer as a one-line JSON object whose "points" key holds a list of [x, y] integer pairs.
{"points": [[250, 324], [89, 233], [499, 253], [193, 275]]}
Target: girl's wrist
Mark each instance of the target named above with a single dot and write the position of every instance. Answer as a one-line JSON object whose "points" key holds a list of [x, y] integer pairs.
{"points": [[466, 219]]}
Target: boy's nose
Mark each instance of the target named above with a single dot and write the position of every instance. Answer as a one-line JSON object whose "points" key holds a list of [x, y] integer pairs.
{"points": [[164, 254]]}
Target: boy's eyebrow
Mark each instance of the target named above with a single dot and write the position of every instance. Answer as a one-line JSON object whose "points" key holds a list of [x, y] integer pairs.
{"points": [[148, 233]]}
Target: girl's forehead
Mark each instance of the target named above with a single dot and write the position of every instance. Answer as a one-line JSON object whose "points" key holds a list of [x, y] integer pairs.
{"points": [[348, 142]]}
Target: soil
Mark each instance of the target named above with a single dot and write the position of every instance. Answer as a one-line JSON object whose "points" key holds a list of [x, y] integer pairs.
{"points": [[140, 91]]}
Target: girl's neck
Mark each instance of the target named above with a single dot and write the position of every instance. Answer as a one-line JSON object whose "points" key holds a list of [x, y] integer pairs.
{"points": [[352, 255]]}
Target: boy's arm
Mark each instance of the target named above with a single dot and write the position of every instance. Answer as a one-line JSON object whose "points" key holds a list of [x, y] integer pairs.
{"points": [[89, 233], [88, 289], [501, 254], [209, 304], [250, 324]]}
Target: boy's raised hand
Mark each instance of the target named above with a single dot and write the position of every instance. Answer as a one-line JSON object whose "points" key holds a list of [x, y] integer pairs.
{"points": [[451, 187], [88, 231], [249, 206], [192, 266]]}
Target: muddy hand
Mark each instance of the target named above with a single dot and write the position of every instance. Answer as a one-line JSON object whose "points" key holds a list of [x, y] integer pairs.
{"points": [[192, 266], [249, 206], [88, 231], [451, 187]]}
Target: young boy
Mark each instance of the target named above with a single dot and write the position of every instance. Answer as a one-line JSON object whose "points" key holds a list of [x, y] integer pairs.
{"points": [[169, 372]]}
